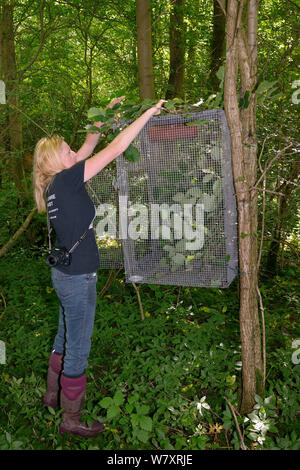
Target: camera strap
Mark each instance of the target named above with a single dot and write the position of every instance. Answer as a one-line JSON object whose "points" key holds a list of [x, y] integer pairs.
{"points": [[75, 244], [49, 231]]}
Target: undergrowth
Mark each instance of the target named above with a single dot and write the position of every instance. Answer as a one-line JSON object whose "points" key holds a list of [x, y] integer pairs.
{"points": [[163, 383]]}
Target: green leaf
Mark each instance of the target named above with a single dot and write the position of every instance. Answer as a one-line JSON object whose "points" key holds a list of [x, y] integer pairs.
{"points": [[207, 178], [106, 402], [142, 435], [113, 411], [129, 408], [96, 114], [132, 153], [227, 425], [265, 85], [178, 259], [216, 152], [170, 105], [258, 399], [209, 202], [135, 419], [51, 410], [92, 129], [169, 248], [221, 73], [218, 188], [197, 192], [163, 262], [198, 122], [149, 102], [253, 436], [118, 398], [178, 197], [146, 423], [143, 409]]}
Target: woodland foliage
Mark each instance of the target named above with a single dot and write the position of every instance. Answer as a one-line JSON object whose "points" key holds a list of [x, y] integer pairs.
{"points": [[62, 62]]}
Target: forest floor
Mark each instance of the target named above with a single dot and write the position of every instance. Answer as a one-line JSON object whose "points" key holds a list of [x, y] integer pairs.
{"points": [[163, 383]]}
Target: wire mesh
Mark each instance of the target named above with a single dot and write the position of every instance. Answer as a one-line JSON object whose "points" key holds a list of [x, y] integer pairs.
{"points": [[171, 216]]}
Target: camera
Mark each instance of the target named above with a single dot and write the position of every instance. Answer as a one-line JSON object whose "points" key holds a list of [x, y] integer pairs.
{"points": [[58, 256]]}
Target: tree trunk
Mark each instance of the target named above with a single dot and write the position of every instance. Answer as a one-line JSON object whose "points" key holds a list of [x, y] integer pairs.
{"points": [[10, 77], [144, 47], [217, 45], [247, 40], [240, 54], [177, 50]]}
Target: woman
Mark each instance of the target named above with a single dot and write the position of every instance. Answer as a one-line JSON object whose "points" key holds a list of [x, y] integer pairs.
{"points": [[59, 181]]}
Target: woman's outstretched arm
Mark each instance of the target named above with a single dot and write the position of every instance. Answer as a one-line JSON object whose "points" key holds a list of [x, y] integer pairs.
{"points": [[120, 143]]}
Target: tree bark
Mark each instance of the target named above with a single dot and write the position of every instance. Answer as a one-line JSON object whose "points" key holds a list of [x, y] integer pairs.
{"points": [[144, 47], [10, 77], [247, 41], [244, 147], [177, 50]]}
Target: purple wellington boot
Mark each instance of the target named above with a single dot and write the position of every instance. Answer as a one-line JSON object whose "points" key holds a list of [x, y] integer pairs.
{"points": [[54, 370], [72, 401]]}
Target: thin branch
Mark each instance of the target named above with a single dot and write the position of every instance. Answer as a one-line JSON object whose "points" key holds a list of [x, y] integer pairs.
{"points": [[263, 225], [111, 277], [284, 242], [26, 115], [266, 190], [4, 303], [243, 446], [261, 153], [159, 16], [263, 335], [42, 39], [271, 162], [222, 6], [18, 233], [295, 4], [139, 300]]}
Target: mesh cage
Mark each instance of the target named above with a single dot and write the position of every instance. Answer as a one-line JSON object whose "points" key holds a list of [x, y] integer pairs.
{"points": [[176, 221], [103, 191]]}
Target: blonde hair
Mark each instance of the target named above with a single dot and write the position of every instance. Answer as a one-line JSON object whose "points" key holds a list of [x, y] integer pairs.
{"points": [[46, 164]]}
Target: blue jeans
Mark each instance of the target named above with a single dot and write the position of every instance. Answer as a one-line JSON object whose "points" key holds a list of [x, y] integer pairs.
{"points": [[78, 297]]}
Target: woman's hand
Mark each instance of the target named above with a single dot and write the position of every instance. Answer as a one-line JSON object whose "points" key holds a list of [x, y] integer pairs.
{"points": [[157, 107], [115, 101], [111, 105]]}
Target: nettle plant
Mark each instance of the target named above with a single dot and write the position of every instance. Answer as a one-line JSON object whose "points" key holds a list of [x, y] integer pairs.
{"points": [[133, 416], [116, 119]]}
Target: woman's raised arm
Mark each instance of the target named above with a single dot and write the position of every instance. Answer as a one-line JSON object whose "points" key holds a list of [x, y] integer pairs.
{"points": [[96, 163], [92, 139]]}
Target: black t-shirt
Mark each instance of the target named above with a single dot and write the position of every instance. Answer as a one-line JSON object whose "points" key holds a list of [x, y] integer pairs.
{"points": [[71, 212]]}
